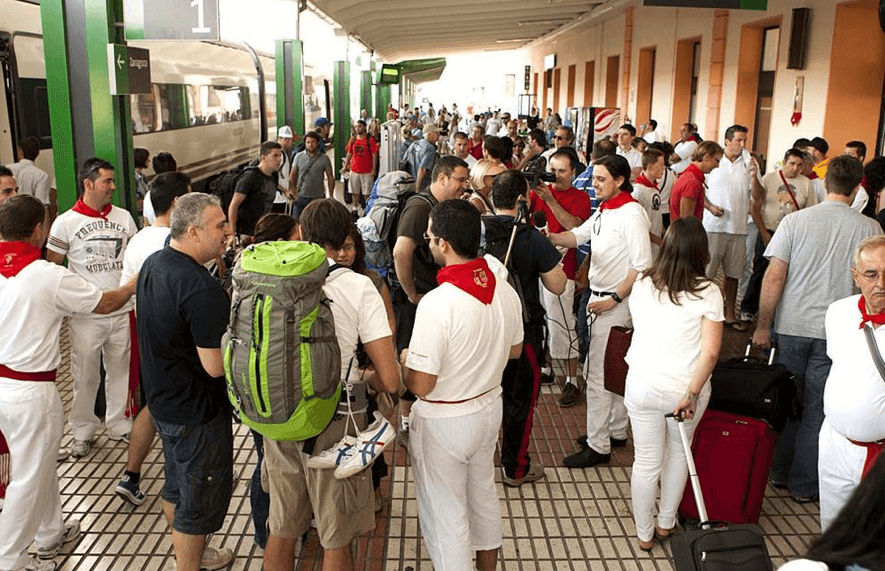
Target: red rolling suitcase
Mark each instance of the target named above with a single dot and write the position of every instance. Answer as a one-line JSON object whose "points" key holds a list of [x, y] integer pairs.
{"points": [[720, 548], [733, 455]]}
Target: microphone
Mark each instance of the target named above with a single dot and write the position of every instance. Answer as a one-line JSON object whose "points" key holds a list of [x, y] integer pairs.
{"points": [[539, 219]]}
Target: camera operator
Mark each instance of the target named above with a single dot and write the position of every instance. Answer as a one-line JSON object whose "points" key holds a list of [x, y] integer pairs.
{"points": [[533, 259], [564, 207]]}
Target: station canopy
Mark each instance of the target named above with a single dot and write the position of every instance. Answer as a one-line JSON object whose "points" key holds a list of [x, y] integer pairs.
{"points": [[412, 29]]}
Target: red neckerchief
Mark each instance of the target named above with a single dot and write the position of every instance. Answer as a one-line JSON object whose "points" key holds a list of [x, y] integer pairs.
{"points": [[617, 201], [15, 256], [473, 277], [693, 137], [863, 182], [813, 176], [696, 172], [878, 319], [87, 210], [644, 181]]}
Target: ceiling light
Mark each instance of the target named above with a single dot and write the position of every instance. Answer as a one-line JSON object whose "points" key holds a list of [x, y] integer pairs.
{"points": [[543, 22], [513, 40]]}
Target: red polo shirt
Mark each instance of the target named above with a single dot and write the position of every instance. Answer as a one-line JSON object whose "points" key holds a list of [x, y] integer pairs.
{"points": [[690, 184], [574, 202]]}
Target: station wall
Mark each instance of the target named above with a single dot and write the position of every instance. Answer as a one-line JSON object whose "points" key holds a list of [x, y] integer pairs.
{"points": [[840, 104]]}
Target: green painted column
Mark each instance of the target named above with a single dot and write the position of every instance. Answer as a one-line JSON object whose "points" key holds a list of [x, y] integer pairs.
{"points": [[340, 111], [290, 84], [366, 91], [111, 116], [52, 15]]}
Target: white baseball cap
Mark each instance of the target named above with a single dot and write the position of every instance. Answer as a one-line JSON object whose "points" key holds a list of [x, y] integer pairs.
{"points": [[285, 132]]}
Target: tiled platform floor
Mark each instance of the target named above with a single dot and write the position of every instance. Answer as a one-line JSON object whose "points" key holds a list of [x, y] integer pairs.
{"points": [[573, 520]]}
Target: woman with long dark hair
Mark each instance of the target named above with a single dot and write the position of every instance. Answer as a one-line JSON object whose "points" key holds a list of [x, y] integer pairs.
{"points": [[677, 319]]}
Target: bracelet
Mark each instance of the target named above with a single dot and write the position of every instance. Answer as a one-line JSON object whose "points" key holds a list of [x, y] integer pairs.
{"points": [[691, 397]]}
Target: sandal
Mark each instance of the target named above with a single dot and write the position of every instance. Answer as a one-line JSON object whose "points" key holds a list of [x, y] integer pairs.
{"points": [[736, 325], [647, 545], [665, 533]]}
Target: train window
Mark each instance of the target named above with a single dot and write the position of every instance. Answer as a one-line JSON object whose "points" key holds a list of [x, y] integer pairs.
{"points": [[173, 104], [209, 104], [35, 111], [144, 112]]}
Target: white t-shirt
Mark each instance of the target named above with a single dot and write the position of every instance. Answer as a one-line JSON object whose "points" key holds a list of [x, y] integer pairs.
{"points": [[94, 246], [618, 243], [650, 199], [465, 343], [651, 137], [633, 156], [803, 565], [666, 186], [31, 179], [860, 199], [729, 188], [146, 242], [684, 150], [359, 314], [147, 209], [666, 341], [32, 305], [854, 396], [778, 201]]}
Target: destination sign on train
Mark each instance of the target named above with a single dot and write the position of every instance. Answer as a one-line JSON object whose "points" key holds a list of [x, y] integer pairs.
{"points": [[720, 4], [171, 20]]}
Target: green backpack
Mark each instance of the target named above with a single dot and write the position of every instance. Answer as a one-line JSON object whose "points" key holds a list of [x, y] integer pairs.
{"points": [[281, 356]]}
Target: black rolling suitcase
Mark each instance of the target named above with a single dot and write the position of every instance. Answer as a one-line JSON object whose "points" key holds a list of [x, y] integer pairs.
{"points": [[715, 547], [752, 387]]}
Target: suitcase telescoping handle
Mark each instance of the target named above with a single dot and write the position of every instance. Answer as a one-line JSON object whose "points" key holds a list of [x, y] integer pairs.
{"points": [[692, 470], [770, 354]]}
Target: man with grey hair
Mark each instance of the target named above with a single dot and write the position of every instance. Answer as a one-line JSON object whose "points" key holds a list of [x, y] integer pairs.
{"points": [[809, 268], [182, 314]]}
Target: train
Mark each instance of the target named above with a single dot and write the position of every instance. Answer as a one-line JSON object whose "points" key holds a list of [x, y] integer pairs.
{"points": [[204, 106]]}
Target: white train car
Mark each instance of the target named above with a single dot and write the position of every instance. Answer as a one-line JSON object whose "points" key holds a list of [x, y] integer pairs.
{"points": [[204, 106]]}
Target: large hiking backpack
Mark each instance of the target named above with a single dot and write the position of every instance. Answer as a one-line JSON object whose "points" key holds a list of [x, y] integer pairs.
{"points": [[281, 357], [378, 226]]}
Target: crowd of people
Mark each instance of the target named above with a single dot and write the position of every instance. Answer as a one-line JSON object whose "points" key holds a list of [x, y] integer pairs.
{"points": [[512, 262]]}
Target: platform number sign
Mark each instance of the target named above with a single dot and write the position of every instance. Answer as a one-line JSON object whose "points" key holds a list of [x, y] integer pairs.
{"points": [[171, 19]]}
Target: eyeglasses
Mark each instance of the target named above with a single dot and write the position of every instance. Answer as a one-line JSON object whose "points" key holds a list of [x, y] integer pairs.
{"points": [[558, 138], [428, 238]]}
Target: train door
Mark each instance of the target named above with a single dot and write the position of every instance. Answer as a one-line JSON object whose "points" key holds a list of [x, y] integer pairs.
{"points": [[7, 133]]}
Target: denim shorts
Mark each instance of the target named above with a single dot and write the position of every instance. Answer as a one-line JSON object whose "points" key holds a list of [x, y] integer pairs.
{"points": [[199, 473]]}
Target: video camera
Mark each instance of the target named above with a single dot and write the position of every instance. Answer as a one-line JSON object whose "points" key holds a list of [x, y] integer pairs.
{"points": [[538, 174]]}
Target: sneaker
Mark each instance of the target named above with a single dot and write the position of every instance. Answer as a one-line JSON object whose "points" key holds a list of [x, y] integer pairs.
{"points": [[546, 379], [81, 448], [747, 317], [586, 458], [38, 565], [799, 499], [402, 436], [71, 533], [535, 473], [777, 485], [62, 455], [214, 558], [571, 394], [332, 457], [370, 443], [123, 437], [128, 490]]}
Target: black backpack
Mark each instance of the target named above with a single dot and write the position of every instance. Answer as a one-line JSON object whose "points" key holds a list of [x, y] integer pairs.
{"points": [[497, 234], [224, 184]]}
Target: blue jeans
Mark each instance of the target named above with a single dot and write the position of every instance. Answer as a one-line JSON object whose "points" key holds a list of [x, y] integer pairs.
{"points": [[795, 456], [258, 498], [301, 203]]}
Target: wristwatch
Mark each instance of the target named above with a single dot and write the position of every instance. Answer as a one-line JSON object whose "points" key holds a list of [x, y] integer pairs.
{"points": [[617, 298]]}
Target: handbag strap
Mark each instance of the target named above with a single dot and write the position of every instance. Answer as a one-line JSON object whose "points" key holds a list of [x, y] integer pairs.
{"points": [[790, 190], [874, 350]]}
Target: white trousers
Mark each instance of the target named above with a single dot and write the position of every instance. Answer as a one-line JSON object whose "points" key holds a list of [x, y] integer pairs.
{"points": [[840, 465], [658, 457], [562, 335], [453, 462], [32, 419], [606, 414], [92, 338]]}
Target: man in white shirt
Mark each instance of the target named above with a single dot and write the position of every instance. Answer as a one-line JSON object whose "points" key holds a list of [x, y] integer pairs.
{"points": [[651, 134], [688, 142], [31, 178], [465, 332], [646, 191], [165, 189], [34, 297], [461, 146], [93, 235], [626, 134], [853, 429], [286, 139], [728, 192]]}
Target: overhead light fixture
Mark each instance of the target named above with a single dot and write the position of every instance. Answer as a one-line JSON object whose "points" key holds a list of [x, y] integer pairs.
{"points": [[543, 22], [513, 41]]}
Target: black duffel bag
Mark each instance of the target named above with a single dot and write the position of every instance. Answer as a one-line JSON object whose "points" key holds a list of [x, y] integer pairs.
{"points": [[753, 387]]}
